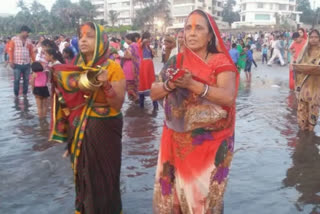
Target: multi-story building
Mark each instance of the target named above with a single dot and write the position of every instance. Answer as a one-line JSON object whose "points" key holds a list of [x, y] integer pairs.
{"points": [[179, 9], [100, 9], [217, 8], [266, 12]]}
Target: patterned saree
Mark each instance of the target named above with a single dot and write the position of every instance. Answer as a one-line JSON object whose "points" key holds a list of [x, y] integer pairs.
{"points": [[92, 129], [193, 165]]}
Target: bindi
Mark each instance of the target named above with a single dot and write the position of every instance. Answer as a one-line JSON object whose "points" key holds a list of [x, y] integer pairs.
{"points": [[193, 23], [84, 30]]}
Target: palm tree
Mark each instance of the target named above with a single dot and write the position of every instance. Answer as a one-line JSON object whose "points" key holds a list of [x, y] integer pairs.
{"points": [[113, 16]]}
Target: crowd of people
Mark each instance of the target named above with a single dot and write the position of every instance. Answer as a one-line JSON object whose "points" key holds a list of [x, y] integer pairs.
{"points": [[89, 75]]}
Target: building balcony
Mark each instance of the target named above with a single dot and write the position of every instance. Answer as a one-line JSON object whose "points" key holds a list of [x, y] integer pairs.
{"points": [[269, 1], [242, 12]]}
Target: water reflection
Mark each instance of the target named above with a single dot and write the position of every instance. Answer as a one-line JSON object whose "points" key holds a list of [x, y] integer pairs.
{"points": [[22, 106], [304, 175]]}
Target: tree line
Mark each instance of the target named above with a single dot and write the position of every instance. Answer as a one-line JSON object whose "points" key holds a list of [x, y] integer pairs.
{"points": [[63, 17]]}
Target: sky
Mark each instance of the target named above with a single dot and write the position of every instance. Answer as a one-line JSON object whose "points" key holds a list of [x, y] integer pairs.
{"points": [[10, 6]]}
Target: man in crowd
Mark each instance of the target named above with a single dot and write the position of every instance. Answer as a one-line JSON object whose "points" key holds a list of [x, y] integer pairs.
{"points": [[20, 55]]}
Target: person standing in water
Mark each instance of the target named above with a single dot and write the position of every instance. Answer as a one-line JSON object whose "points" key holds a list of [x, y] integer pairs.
{"points": [[196, 147], [20, 56], [146, 73]]}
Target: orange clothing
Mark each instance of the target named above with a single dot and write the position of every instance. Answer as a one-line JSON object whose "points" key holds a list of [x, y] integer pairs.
{"points": [[296, 48], [7, 46], [15, 57]]}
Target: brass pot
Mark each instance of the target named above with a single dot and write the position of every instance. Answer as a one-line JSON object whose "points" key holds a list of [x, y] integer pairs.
{"points": [[88, 80]]}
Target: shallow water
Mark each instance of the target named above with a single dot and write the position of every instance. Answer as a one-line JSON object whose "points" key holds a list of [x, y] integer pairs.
{"points": [[275, 168]]}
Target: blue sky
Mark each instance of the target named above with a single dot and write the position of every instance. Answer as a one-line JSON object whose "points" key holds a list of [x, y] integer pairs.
{"points": [[10, 6]]}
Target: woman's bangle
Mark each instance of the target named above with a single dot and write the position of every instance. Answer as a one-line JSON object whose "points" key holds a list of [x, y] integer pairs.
{"points": [[108, 90], [166, 86], [205, 90]]}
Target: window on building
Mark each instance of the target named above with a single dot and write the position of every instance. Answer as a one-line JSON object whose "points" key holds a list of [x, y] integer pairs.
{"points": [[219, 4], [183, 1], [219, 13], [282, 7], [262, 17], [260, 5], [244, 7], [124, 13], [184, 10], [291, 8], [125, 4], [179, 20], [243, 18]]}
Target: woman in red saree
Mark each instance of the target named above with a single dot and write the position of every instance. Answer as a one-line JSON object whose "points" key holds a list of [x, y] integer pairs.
{"points": [[90, 120], [197, 142], [146, 73]]}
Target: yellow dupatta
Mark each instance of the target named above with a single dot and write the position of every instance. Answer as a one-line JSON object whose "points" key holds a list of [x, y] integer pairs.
{"points": [[73, 107]]}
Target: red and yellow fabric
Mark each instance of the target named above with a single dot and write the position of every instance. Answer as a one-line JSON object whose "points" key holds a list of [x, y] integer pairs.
{"points": [[71, 106]]}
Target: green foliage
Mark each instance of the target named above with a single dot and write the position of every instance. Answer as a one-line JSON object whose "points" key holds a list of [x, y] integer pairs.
{"points": [[64, 17], [307, 15], [120, 29], [228, 15]]}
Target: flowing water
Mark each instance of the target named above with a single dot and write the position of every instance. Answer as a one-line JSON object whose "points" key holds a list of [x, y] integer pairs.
{"points": [[276, 169]]}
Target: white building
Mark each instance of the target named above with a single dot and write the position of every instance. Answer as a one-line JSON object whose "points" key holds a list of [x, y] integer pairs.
{"points": [[100, 8], [179, 9], [315, 4], [265, 12]]}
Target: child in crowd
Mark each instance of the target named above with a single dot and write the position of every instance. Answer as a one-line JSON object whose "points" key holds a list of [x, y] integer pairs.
{"points": [[264, 54], [234, 53], [40, 90], [249, 60], [52, 53], [68, 55]]}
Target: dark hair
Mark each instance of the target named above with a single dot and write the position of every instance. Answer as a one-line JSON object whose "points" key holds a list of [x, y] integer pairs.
{"points": [[90, 24], [52, 49], [113, 39], [146, 35], [234, 45], [212, 48], [49, 44], [301, 30], [69, 51], [25, 28], [295, 35], [136, 36], [131, 37], [36, 67], [248, 46], [55, 54], [314, 31]]}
